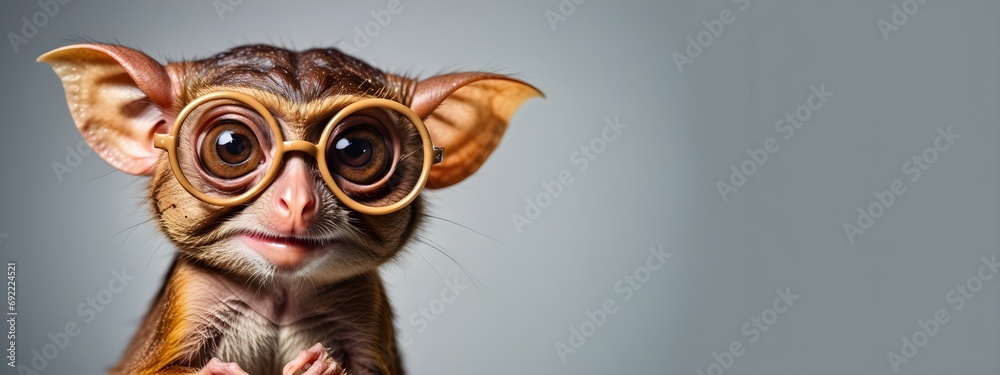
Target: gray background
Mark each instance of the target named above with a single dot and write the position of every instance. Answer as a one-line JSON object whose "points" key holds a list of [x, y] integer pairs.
{"points": [[655, 185]]}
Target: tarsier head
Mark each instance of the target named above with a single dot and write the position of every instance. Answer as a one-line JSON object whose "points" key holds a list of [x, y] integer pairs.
{"points": [[269, 164]]}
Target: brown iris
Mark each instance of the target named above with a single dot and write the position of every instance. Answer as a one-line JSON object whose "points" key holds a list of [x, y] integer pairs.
{"points": [[360, 154], [230, 150]]}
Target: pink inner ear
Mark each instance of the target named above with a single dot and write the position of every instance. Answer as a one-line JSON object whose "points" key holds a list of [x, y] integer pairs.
{"points": [[430, 93], [467, 114], [118, 97], [148, 74]]}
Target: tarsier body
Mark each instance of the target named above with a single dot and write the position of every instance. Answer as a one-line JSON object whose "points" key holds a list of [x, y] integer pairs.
{"points": [[284, 179]]}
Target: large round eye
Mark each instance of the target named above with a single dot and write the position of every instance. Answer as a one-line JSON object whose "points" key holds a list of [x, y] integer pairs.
{"points": [[230, 150], [361, 154]]}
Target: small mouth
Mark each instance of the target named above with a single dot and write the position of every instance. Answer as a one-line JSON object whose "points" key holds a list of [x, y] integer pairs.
{"points": [[284, 251]]}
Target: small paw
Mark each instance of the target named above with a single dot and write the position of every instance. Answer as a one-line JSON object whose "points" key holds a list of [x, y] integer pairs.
{"points": [[217, 367], [314, 361]]}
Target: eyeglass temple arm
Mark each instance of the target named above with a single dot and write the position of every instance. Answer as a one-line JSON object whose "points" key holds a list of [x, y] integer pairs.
{"points": [[438, 155], [161, 141]]}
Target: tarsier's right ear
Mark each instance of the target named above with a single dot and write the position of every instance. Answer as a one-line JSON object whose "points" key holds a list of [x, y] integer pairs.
{"points": [[467, 114], [118, 97]]}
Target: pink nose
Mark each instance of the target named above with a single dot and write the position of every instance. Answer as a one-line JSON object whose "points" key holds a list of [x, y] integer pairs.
{"points": [[295, 200]]}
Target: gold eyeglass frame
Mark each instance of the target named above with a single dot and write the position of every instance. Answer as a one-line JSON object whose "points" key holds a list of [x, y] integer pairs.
{"points": [[168, 143]]}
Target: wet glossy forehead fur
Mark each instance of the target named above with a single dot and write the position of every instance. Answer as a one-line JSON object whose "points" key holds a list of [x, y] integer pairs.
{"points": [[297, 77]]}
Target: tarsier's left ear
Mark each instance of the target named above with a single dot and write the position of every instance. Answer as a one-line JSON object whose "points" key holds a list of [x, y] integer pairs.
{"points": [[467, 114], [118, 97]]}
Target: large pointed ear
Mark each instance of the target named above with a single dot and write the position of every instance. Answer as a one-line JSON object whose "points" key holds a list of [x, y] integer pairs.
{"points": [[118, 97], [467, 114]]}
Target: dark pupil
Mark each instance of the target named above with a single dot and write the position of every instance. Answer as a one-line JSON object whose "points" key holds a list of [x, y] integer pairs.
{"points": [[232, 148], [354, 152]]}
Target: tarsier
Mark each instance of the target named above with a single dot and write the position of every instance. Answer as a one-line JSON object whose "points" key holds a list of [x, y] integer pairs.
{"points": [[284, 179]]}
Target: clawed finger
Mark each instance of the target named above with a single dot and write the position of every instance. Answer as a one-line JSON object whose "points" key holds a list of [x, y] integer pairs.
{"points": [[310, 360]]}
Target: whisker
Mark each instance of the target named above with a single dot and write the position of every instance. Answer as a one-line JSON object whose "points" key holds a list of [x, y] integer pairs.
{"points": [[436, 246], [153, 255], [409, 154], [461, 225], [113, 170], [429, 264], [134, 228]]}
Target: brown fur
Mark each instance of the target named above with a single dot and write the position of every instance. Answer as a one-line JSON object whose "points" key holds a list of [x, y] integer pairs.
{"points": [[301, 89]]}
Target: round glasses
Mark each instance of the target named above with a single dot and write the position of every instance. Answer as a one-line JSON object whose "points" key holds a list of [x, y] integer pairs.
{"points": [[225, 148]]}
